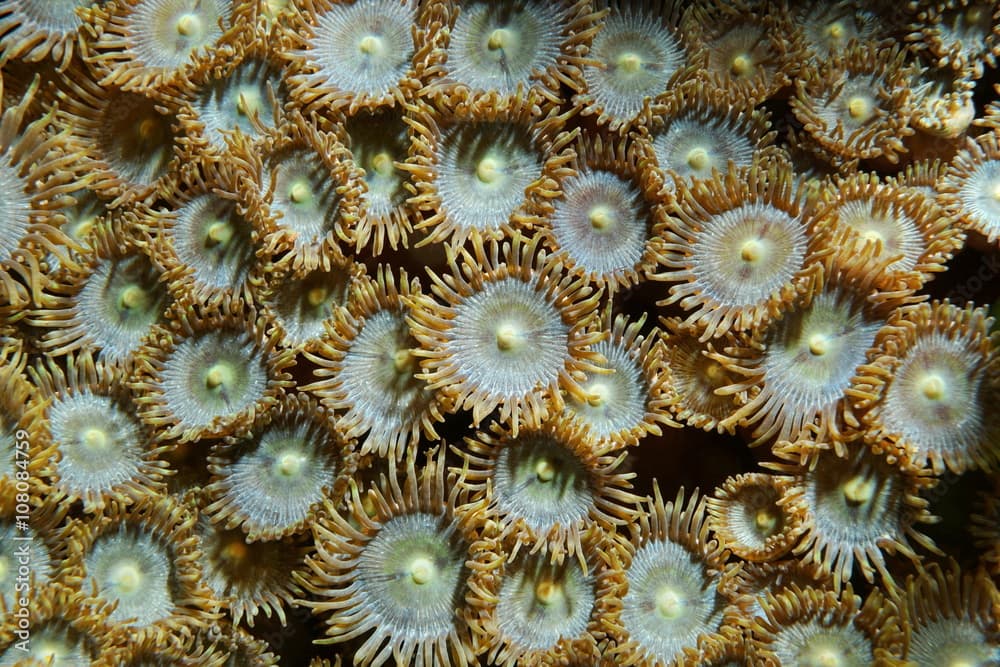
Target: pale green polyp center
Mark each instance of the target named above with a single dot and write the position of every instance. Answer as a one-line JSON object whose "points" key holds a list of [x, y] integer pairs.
{"points": [[50, 652], [714, 373], [316, 296], [148, 130], [290, 464], [933, 387], [669, 604], [133, 297], [248, 102], [819, 344], [601, 217], [765, 521], [752, 251], [509, 338], [741, 65], [382, 164], [823, 654], [402, 361], [272, 9], [219, 233], [860, 108], [545, 471], [189, 25], [697, 159], [422, 570], [300, 191], [547, 592], [95, 439], [872, 236], [826, 658], [629, 63], [501, 39], [489, 170], [220, 375], [126, 577], [235, 552], [599, 395], [859, 490], [4, 568], [995, 191], [372, 45], [83, 226]]}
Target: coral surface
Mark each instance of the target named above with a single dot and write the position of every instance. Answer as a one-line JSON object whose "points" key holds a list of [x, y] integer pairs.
{"points": [[499, 332]]}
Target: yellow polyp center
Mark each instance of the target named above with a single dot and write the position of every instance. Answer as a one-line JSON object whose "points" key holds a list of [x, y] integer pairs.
{"points": [[132, 297], [872, 236], [996, 191], [148, 129], [234, 552], [489, 170], [368, 505], [49, 652], [752, 250], [933, 387], [316, 296], [819, 344], [299, 192], [248, 103], [835, 30], [544, 470], [4, 568], [382, 164], [501, 38], [859, 108], [402, 361], [95, 439], [741, 65], [219, 375], [629, 62], [826, 657], [508, 337], [599, 394], [961, 662], [547, 592], [697, 159], [601, 217], [83, 227], [126, 577], [714, 373], [669, 604], [421, 570], [958, 119], [273, 8], [859, 490], [219, 233], [188, 25], [370, 45], [765, 520], [290, 464]]}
